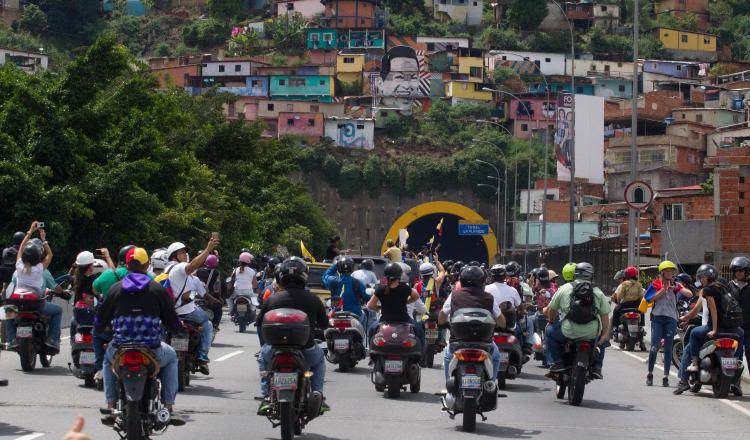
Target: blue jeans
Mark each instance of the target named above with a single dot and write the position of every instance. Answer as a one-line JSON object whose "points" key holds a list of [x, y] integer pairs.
{"points": [[555, 341], [699, 334], [99, 338], [529, 328], [167, 359], [199, 316], [662, 327], [684, 362], [495, 353], [314, 357], [52, 311]]}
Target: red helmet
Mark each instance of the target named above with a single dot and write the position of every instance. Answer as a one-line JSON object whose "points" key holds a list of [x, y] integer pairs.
{"points": [[631, 272]]}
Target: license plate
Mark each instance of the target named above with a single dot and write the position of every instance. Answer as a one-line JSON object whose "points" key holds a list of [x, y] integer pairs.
{"points": [[23, 332], [504, 356], [242, 308], [633, 329], [340, 344], [87, 358], [394, 366], [284, 381], [180, 344], [431, 334], [471, 382], [729, 363]]}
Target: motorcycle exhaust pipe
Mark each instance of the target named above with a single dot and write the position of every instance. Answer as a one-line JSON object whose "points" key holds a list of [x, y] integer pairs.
{"points": [[705, 376], [162, 416], [489, 387], [512, 370], [38, 327], [379, 378], [314, 403]]}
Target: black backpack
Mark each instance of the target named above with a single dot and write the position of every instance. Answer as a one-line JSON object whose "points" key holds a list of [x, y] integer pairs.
{"points": [[730, 315], [582, 307]]}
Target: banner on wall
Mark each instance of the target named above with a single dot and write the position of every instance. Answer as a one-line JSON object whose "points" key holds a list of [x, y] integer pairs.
{"points": [[589, 137]]}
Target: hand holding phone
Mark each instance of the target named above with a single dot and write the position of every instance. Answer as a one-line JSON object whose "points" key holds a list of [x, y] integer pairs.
{"points": [[214, 236], [40, 225]]}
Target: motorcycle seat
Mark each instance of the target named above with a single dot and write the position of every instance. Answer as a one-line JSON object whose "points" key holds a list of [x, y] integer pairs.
{"points": [[734, 336]]}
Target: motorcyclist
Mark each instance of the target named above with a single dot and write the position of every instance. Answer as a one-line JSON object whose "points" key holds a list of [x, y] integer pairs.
{"points": [[158, 262], [83, 280], [392, 300], [183, 284], [267, 285], [31, 273], [557, 332], [347, 293], [471, 295], [628, 295], [292, 277], [243, 281], [210, 276], [512, 278], [8, 260], [506, 297], [543, 289], [135, 308], [740, 266], [365, 273]]}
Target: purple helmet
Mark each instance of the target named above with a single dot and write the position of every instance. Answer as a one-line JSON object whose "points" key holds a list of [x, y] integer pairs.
{"points": [[211, 262]]}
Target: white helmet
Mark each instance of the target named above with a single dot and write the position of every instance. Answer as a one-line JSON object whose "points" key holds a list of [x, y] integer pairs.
{"points": [[84, 258], [406, 270], [99, 265], [426, 269], [159, 259], [174, 247]]}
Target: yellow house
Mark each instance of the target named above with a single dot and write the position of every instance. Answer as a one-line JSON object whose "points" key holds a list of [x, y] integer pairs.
{"points": [[471, 63], [349, 67], [467, 90], [674, 39]]}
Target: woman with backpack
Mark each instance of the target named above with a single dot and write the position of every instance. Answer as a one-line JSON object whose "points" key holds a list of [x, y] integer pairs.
{"points": [[664, 318]]}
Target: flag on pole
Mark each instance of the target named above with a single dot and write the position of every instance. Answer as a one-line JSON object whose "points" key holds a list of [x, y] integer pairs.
{"points": [[428, 301], [305, 252], [403, 235], [437, 236]]}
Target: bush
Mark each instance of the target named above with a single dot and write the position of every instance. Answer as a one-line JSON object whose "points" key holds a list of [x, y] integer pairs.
{"points": [[205, 33], [331, 169], [33, 20], [496, 38], [350, 180], [373, 173]]}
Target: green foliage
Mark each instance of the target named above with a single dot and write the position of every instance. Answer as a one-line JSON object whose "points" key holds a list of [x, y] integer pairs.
{"points": [[24, 41], [527, 14], [405, 7], [719, 12], [685, 22], [373, 174], [225, 10], [650, 48], [419, 24], [77, 21], [602, 42], [503, 74], [292, 236], [33, 20], [556, 42], [245, 43], [347, 89], [708, 185], [395, 126], [350, 179], [205, 33], [331, 169], [288, 33], [497, 38]]}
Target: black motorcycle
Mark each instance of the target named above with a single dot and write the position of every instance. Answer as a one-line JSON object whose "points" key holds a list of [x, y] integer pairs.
{"points": [[185, 343], [471, 385], [139, 411], [434, 338], [630, 331], [718, 365], [578, 359], [244, 312], [395, 352], [293, 403], [82, 347]]}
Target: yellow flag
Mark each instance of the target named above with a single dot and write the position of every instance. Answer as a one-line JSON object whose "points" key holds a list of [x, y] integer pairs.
{"points": [[430, 286], [305, 252]]}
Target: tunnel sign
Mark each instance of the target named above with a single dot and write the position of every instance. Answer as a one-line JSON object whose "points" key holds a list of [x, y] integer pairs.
{"points": [[638, 195], [473, 229]]}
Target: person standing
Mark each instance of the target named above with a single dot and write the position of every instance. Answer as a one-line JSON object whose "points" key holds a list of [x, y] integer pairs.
{"points": [[393, 253]]}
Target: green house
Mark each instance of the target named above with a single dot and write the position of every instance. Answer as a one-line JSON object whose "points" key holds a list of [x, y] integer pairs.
{"points": [[322, 38], [317, 88]]}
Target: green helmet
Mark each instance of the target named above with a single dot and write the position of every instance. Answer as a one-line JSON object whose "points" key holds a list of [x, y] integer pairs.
{"points": [[568, 272]]}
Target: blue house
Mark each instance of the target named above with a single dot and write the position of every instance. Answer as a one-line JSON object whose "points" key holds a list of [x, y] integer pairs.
{"points": [[613, 87], [539, 88], [321, 38], [677, 69], [254, 86], [318, 88]]}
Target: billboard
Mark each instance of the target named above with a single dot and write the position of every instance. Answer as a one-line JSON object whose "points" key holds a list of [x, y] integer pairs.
{"points": [[589, 137]]}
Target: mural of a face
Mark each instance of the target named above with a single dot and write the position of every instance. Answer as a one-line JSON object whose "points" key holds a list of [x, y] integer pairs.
{"points": [[399, 74]]}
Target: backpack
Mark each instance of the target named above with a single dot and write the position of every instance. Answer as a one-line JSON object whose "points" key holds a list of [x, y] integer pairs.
{"points": [[582, 307], [730, 314]]}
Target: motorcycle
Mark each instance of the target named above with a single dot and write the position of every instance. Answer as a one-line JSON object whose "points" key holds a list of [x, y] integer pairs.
{"points": [[139, 411], [578, 359], [244, 311], [293, 403], [203, 304], [540, 323], [681, 335], [630, 331], [82, 347], [186, 342], [718, 365], [512, 357], [434, 337], [25, 308], [345, 341], [395, 352], [470, 385]]}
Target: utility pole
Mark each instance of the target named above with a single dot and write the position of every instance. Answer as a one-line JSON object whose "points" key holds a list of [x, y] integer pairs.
{"points": [[633, 215]]}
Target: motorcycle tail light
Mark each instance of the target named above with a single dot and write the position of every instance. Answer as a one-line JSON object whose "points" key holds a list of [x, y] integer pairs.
{"points": [[504, 339], [342, 323], [285, 360], [378, 341], [584, 346], [84, 339], [133, 358], [23, 315], [410, 343], [470, 355], [725, 343], [431, 325], [632, 315], [392, 358]]}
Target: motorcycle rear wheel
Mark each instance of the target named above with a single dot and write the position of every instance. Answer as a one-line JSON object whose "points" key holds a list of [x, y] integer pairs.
{"points": [[577, 385], [393, 384], [286, 416], [243, 326], [631, 344], [721, 389], [500, 380], [88, 381], [45, 360], [181, 375], [133, 426], [676, 353], [27, 354], [343, 365], [470, 415], [429, 358]]}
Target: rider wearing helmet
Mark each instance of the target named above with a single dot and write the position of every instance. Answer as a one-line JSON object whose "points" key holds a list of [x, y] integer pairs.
{"points": [[210, 276], [347, 293], [267, 284], [471, 294], [436, 273], [392, 300], [456, 269], [111, 276], [8, 261], [505, 296], [562, 303], [568, 272], [243, 281], [365, 273], [158, 261], [740, 267], [628, 295], [513, 279], [293, 294]]}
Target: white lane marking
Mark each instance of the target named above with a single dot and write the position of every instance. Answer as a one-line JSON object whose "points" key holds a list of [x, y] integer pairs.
{"points": [[31, 436], [230, 355], [64, 338], [631, 355]]}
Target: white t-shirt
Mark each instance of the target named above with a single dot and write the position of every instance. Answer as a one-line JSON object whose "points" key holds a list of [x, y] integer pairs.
{"points": [[244, 280], [447, 307], [417, 306], [504, 293], [181, 283], [704, 311], [367, 277], [33, 279]]}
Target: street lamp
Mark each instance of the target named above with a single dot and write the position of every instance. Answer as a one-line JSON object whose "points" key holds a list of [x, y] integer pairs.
{"points": [[497, 195]]}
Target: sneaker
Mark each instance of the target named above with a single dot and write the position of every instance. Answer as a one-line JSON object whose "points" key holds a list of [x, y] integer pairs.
{"points": [[649, 379], [324, 408], [13, 345], [99, 376], [597, 373], [665, 381], [108, 419], [265, 406], [736, 389], [681, 388], [175, 419], [52, 344], [692, 368], [203, 368], [203, 358], [556, 368], [3, 382]]}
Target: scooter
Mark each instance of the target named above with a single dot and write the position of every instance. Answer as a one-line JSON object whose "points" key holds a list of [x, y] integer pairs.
{"points": [[345, 341], [395, 352], [245, 311], [630, 331], [511, 356], [718, 365], [82, 347]]}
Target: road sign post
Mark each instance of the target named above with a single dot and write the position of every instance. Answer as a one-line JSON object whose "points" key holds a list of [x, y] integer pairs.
{"points": [[638, 196]]}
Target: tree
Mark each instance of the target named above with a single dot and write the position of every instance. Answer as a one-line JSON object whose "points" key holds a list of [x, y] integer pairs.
{"points": [[527, 14], [205, 33], [503, 74], [225, 9], [496, 38], [288, 32], [33, 20]]}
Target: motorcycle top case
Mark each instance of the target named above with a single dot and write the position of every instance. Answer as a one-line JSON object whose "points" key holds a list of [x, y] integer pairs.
{"points": [[286, 327], [25, 300], [472, 325]]}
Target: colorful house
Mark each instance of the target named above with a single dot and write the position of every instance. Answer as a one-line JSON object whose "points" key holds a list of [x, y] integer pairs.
{"points": [[678, 8], [687, 45], [532, 114], [351, 133], [311, 126], [466, 91], [349, 67], [307, 8], [26, 61], [302, 88], [613, 87], [322, 38], [351, 14], [468, 12], [471, 63], [329, 38]]}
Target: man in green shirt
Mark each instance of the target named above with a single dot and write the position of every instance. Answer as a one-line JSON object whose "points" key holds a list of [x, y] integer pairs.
{"points": [[597, 329]]}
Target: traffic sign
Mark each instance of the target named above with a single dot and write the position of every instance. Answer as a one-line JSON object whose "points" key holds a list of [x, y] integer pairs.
{"points": [[639, 195], [473, 229]]}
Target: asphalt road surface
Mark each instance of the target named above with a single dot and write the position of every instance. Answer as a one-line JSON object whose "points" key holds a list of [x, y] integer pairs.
{"points": [[43, 405]]}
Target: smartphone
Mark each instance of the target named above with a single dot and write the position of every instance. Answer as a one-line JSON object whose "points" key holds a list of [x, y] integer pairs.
{"points": [[214, 236], [40, 225]]}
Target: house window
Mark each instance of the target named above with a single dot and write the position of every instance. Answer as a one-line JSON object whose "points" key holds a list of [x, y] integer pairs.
{"points": [[282, 82], [348, 60], [524, 127], [290, 107], [296, 82], [256, 83], [311, 122], [360, 127], [684, 38], [706, 40], [674, 211], [322, 82], [679, 67], [621, 88], [698, 118], [683, 116], [475, 71], [315, 37], [237, 68], [290, 122], [604, 8], [314, 108], [384, 114], [328, 37], [504, 58], [290, 6], [606, 67], [476, 3], [270, 107], [221, 68], [548, 60]]}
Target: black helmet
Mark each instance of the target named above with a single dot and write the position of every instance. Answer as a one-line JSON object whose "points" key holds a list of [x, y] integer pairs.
{"points": [[620, 275], [368, 264], [708, 271], [393, 271], [542, 274], [447, 264], [273, 262], [740, 263], [684, 279], [512, 269], [31, 255], [474, 263], [458, 266], [18, 238], [123, 253], [497, 271], [243, 250], [345, 266], [292, 272], [472, 276], [584, 271], [534, 271]]}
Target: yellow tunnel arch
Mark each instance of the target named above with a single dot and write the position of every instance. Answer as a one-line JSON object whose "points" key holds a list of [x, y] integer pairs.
{"points": [[441, 207]]}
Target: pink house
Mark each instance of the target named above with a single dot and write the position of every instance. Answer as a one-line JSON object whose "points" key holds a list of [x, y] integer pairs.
{"points": [[308, 8], [532, 114], [311, 126]]}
